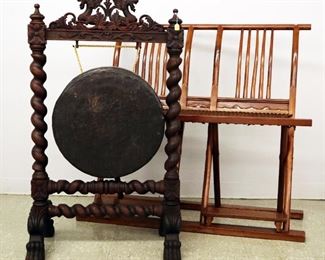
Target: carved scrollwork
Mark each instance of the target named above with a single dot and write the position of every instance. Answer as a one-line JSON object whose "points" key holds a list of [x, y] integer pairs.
{"points": [[39, 225], [112, 15], [171, 222], [39, 221], [36, 34]]}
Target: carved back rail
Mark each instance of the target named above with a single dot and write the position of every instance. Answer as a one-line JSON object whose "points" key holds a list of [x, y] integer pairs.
{"points": [[253, 79]]}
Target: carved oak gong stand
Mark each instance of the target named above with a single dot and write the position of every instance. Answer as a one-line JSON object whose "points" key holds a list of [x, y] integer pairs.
{"points": [[97, 114]]}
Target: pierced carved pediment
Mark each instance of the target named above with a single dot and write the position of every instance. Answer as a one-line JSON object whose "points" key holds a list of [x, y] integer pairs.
{"points": [[112, 15]]}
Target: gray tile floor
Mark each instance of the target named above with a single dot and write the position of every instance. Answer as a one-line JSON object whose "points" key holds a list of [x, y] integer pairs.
{"points": [[77, 240]]}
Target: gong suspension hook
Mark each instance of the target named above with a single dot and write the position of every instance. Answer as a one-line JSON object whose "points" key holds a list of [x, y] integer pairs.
{"points": [[116, 46]]}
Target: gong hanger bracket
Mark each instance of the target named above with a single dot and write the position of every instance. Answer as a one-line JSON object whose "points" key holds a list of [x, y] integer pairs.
{"points": [[117, 46], [77, 45]]}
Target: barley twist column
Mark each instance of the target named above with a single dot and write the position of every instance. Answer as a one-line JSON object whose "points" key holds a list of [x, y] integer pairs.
{"points": [[171, 220], [39, 222]]}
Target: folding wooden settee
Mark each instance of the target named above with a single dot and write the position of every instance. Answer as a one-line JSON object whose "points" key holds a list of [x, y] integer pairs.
{"points": [[252, 103]]}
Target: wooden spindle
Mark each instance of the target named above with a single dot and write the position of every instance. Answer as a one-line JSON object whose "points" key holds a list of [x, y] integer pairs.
{"points": [[239, 64], [261, 81], [137, 62], [216, 70], [144, 61], [269, 72], [186, 68], [294, 70], [157, 71], [164, 73], [288, 177], [207, 176], [151, 62], [117, 54], [248, 48], [253, 86]]}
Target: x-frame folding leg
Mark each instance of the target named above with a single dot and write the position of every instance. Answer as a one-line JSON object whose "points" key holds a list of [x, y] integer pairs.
{"points": [[283, 212]]}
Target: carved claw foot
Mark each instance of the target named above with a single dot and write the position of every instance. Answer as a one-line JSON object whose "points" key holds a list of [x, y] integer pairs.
{"points": [[39, 225], [172, 247], [35, 248]]}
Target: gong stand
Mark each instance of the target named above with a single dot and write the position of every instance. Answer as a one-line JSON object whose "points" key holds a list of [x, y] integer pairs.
{"points": [[101, 21]]}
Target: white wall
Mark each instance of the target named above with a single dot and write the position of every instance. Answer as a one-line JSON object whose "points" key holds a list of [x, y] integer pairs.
{"points": [[249, 155]]}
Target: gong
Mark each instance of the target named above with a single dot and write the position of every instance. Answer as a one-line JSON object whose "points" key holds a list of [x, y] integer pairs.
{"points": [[108, 122]]}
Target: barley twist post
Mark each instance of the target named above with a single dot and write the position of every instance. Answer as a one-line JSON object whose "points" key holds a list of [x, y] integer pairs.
{"points": [[39, 221], [171, 220]]}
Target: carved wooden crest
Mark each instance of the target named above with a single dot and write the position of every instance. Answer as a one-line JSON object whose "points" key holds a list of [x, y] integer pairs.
{"points": [[112, 15]]}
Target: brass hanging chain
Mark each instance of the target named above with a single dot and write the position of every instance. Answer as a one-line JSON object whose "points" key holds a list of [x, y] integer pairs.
{"points": [[77, 45]]}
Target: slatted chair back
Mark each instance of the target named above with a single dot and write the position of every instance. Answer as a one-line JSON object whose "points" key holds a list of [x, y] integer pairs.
{"points": [[252, 93], [253, 86], [150, 63]]}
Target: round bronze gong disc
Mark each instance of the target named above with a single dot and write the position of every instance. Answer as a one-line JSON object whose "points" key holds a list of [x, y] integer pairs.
{"points": [[108, 122]]}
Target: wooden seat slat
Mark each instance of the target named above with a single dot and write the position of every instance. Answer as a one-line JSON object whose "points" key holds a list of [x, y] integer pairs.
{"points": [[245, 120]]}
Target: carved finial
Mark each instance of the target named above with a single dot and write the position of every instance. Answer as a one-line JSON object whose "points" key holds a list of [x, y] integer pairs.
{"points": [[36, 28], [37, 15], [175, 21]]}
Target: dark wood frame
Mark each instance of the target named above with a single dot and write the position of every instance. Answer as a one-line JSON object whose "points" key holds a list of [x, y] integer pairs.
{"points": [[125, 29]]}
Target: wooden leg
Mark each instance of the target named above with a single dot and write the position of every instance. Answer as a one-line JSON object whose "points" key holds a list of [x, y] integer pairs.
{"points": [[288, 178], [282, 159], [170, 222], [39, 225], [207, 176], [216, 165]]}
